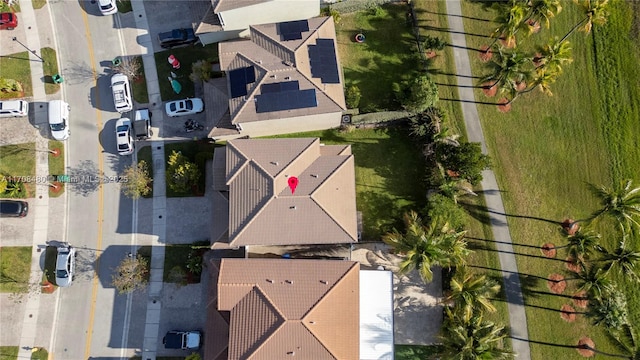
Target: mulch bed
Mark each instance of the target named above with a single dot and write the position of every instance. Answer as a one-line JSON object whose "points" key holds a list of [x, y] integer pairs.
{"points": [[556, 283], [485, 53], [504, 105], [488, 90], [572, 265], [580, 299], [570, 226], [585, 345], [549, 250], [568, 313], [521, 86]]}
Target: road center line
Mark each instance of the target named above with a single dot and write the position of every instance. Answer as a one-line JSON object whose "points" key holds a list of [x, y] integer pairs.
{"points": [[94, 282]]}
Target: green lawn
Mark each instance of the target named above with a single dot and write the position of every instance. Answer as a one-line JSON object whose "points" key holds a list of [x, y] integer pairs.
{"points": [[547, 148], [50, 68], [15, 265], [197, 152], [139, 85], [124, 6], [387, 166], [19, 161], [387, 55], [176, 259], [41, 354], [187, 56], [56, 164], [144, 154], [9, 352], [16, 66], [38, 4], [415, 352]]}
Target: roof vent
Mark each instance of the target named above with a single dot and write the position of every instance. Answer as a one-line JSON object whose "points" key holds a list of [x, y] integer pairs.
{"points": [[292, 207], [289, 282], [288, 63], [291, 353], [324, 282], [312, 322], [314, 176], [273, 76], [274, 163], [287, 77], [270, 281], [259, 61]]}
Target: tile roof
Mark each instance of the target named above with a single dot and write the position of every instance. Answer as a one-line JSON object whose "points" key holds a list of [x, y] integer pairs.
{"points": [[264, 211], [306, 308], [275, 60]]}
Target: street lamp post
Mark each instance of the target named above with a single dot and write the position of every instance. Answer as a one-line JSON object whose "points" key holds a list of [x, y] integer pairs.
{"points": [[25, 46]]}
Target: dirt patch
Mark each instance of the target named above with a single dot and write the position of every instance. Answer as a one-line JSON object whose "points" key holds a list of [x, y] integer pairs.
{"points": [[549, 250], [570, 226], [556, 283], [572, 265], [585, 345], [521, 86], [568, 313], [580, 299]]}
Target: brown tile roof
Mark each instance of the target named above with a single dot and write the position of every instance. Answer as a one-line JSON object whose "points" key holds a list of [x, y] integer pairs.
{"points": [[276, 60], [262, 209], [306, 308]]}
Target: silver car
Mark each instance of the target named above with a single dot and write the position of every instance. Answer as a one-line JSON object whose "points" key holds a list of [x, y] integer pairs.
{"points": [[65, 265]]}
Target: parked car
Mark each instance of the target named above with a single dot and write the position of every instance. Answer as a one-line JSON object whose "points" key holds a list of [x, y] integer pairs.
{"points": [[177, 37], [108, 7], [59, 119], [65, 265], [8, 21], [14, 108], [176, 339], [184, 107], [121, 93], [142, 124], [13, 208], [124, 137]]}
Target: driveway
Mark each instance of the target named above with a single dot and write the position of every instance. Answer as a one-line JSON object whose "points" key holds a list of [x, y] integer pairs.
{"points": [[167, 15]]}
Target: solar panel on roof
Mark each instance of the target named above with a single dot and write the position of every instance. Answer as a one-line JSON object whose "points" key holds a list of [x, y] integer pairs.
{"points": [[323, 62], [292, 30], [286, 100], [280, 86], [239, 78]]}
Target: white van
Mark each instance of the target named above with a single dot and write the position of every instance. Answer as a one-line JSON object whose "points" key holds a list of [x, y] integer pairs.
{"points": [[14, 108], [59, 119]]}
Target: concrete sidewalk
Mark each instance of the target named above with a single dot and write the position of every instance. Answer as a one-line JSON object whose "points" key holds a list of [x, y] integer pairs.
{"points": [[512, 288]]}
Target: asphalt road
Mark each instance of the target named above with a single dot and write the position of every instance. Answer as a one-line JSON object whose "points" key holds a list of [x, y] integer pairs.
{"points": [[92, 321]]}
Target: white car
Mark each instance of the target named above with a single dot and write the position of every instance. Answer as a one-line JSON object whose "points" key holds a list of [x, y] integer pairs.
{"points": [[65, 265], [121, 93], [124, 137], [14, 108], [108, 7], [59, 119], [184, 107]]}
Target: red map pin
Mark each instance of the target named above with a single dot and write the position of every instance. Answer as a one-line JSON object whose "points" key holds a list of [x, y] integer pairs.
{"points": [[293, 183]]}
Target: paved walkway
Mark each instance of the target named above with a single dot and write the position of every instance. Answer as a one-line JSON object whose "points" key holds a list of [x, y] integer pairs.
{"points": [[515, 302]]}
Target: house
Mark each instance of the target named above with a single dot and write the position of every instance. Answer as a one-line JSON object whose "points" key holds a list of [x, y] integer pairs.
{"points": [[286, 78], [230, 19], [292, 309], [264, 209]]}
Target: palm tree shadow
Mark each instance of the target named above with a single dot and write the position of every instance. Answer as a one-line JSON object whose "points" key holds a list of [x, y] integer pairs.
{"points": [[440, 72], [441, 29], [460, 16], [485, 209], [476, 246]]}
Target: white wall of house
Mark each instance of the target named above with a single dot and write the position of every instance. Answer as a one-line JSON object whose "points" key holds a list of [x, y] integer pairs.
{"points": [[269, 12], [218, 36], [291, 125]]}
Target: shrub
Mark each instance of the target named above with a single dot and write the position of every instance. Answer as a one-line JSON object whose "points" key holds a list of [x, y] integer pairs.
{"points": [[182, 174], [131, 274], [352, 96], [200, 71], [444, 207], [433, 43], [137, 180], [467, 160], [416, 95]]}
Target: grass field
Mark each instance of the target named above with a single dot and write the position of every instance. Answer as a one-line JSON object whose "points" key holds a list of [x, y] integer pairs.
{"points": [[19, 161], [15, 262], [547, 148], [386, 56], [9, 352], [16, 67], [139, 85], [50, 68], [187, 56]]}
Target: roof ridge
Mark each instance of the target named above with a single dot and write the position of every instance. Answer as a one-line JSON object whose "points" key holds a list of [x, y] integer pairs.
{"points": [[307, 148], [332, 288]]}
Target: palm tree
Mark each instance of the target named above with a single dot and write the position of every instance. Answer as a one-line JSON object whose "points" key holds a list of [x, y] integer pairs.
{"points": [[626, 339], [554, 55], [609, 310], [621, 202], [508, 70], [595, 12], [541, 11], [473, 339], [582, 244], [593, 280], [623, 260], [471, 293], [510, 19], [426, 246]]}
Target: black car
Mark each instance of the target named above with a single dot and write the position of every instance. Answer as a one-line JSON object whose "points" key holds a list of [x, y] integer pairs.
{"points": [[177, 37], [13, 208]]}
